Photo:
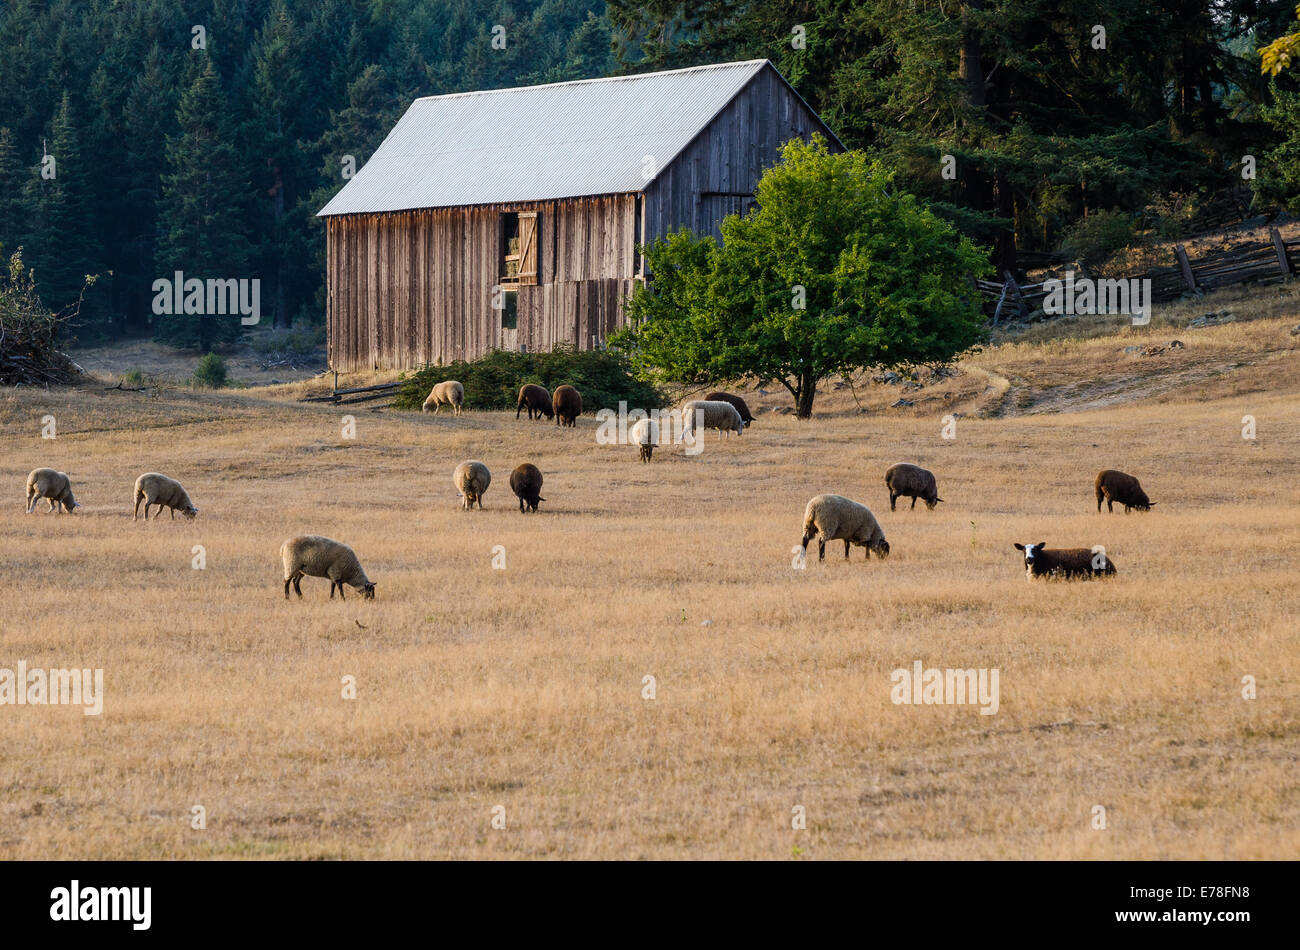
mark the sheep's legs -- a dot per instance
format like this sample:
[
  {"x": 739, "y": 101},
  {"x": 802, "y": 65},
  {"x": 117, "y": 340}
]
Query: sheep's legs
[
  {"x": 892, "y": 500},
  {"x": 913, "y": 503},
  {"x": 846, "y": 551},
  {"x": 297, "y": 584},
  {"x": 821, "y": 549}
]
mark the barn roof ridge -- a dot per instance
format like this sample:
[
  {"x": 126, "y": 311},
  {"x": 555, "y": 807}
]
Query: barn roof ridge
[
  {"x": 552, "y": 141},
  {"x": 593, "y": 79}
]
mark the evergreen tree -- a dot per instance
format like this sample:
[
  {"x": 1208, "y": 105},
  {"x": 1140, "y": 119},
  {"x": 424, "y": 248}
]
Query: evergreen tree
[
  {"x": 13, "y": 217},
  {"x": 64, "y": 250},
  {"x": 202, "y": 219},
  {"x": 148, "y": 115}
]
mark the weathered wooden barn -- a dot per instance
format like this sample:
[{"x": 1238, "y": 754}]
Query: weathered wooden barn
[{"x": 510, "y": 218}]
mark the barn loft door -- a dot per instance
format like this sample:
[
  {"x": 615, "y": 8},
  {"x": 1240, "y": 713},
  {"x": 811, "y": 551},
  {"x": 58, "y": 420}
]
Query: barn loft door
[
  {"x": 520, "y": 239},
  {"x": 528, "y": 241}
]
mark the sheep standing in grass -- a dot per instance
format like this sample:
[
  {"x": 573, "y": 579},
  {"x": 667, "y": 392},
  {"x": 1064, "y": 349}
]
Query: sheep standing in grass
[
  {"x": 526, "y": 483},
  {"x": 1064, "y": 562},
  {"x": 312, "y": 556},
  {"x": 1113, "y": 486},
  {"x": 904, "y": 479},
  {"x": 719, "y": 415},
  {"x": 536, "y": 399},
  {"x": 645, "y": 433},
  {"x": 742, "y": 407},
  {"x": 448, "y": 391},
  {"x": 472, "y": 479},
  {"x": 836, "y": 518},
  {"x": 155, "y": 489},
  {"x": 568, "y": 405},
  {"x": 52, "y": 485}
]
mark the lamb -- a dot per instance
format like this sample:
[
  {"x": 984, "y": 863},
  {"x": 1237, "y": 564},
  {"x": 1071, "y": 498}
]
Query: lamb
[
  {"x": 537, "y": 399},
  {"x": 904, "y": 478},
  {"x": 155, "y": 489},
  {"x": 1113, "y": 486},
  {"x": 568, "y": 405},
  {"x": 745, "y": 415},
  {"x": 1065, "y": 562},
  {"x": 526, "y": 483},
  {"x": 645, "y": 433},
  {"x": 312, "y": 556},
  {"x": 472, "y": 479},
  {"x": 836, "y": 518},
  {"x": 717, "y": 415},
  {"x": 448, "y": 391},
  {"x": 54, "y": 486}
]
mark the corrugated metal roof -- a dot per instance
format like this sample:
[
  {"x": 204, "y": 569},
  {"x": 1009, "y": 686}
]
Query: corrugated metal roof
[{"x": 534, "y": 143}]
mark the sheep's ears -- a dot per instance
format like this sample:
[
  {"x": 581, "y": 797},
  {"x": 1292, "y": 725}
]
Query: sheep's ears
[
  {"x": 937, "y": 499},
  {"x": 1040, "y": 545},
  {"x": 1152, "y": 504},
  {"x": 1018, "y": 546}
]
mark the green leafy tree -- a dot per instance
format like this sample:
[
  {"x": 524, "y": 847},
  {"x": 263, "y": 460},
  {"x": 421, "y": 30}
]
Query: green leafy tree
[
  {"x": 1279, "y": 179},
  {"x": 834, "y": 271}
]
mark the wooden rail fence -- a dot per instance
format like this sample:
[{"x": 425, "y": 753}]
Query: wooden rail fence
[
  {"x": 1271, "y": 261},
  {"x": 345, "y": 397}
]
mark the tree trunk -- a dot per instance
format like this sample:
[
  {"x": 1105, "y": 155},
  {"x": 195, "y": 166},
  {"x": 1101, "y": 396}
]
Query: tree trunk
[
  {"x": 970, "y": 63},
  {"x": 807, "y": 392}
]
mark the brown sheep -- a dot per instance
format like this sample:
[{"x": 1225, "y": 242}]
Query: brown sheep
[
  {"x": 526, "y": 483},
  {"x": 904, "y": 479},
  {"x": 745, "y": 415},
  {"x": 536, "y": 399},
  {"x": 1113, "y": 486},
  {"x": 568, "y": 405},
  {"x": 1064, "y": 562}
]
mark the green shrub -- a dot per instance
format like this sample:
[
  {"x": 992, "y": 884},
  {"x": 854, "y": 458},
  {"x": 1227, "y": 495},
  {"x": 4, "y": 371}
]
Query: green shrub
[
  {"x": 603, "y": 377},
  {"x": 133, "y": 377},
  {"x": 1093, "y": 239},
  {"x": 211, "y": 371}
]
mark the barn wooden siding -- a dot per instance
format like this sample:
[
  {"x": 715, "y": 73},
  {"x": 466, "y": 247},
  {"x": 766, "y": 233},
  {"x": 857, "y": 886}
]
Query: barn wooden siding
[
  {"x": 716, "y": 174},
  {"x": 409, "y": 288}
]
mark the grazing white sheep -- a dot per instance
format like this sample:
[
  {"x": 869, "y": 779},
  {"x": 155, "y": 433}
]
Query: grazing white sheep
[
  {"x": 645, "y": 433},
  {"x": 472, "y": 479},
  {"x": 155, "y": 489},
  {"x": 717, "y": 415},
  {"x": 52, "y": 485},
  {"x": 836, "y": 518},
  {"x": 313, "y": 556},
  {"x": 448, "y": 391}
]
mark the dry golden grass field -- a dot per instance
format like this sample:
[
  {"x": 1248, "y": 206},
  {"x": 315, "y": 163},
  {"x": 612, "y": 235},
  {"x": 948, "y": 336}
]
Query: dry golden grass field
[{"x": 523, "y": 687}]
